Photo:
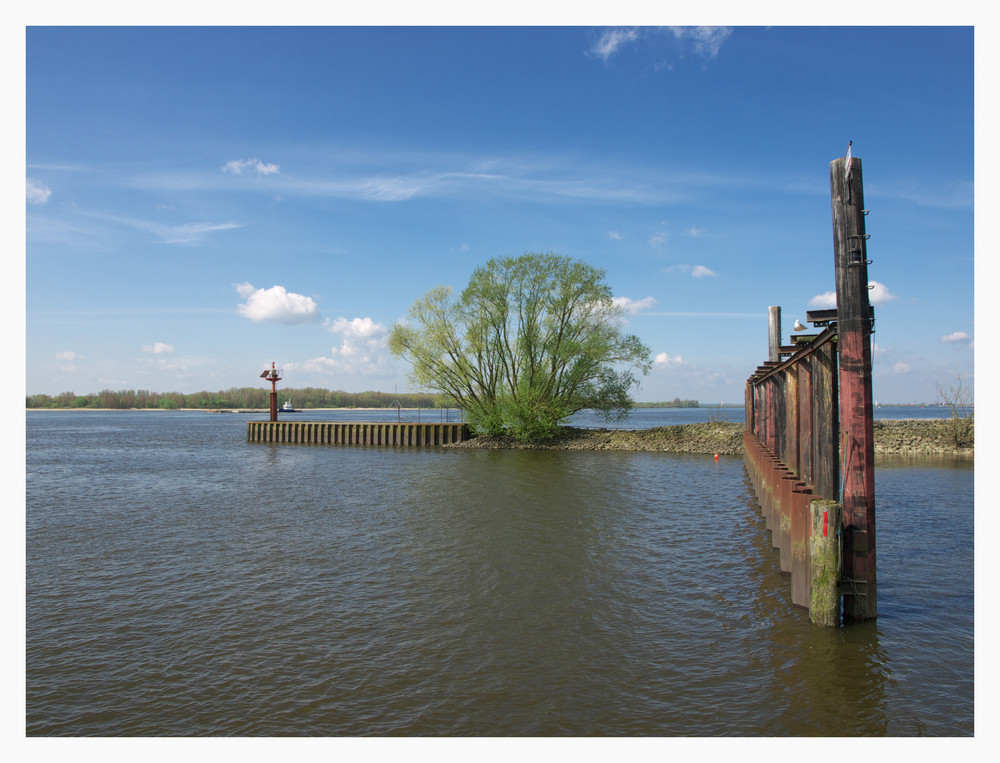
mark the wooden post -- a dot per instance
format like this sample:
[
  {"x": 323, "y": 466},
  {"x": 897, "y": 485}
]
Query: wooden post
[
  {"x": 774, "y": 333},
  {"x": 799, "y": 534},
  {"x": 857, "y": 450},
  {"x": 792, "y": 420},
  {"x": 805, "y": 421},
  {"x": 824, "y": 563},
  {"x": 826, "y": 472}
]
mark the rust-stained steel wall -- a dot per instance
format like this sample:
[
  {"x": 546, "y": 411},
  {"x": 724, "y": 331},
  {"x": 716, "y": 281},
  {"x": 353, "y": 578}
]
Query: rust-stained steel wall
[
  {"x": 809, "y": 420},
  {"x": 789, "y": 432},
  {"x": 357, "y": 433}
]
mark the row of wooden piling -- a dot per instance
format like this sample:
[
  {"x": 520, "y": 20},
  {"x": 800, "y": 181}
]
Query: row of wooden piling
[{"x": 397, "y": 434}]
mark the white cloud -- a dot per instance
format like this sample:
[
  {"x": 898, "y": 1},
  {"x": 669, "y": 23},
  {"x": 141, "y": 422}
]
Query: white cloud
[
  {"x": 359, "y": 358},
  {"x": 958, "y": 336},
  {"x": 664, "y": 359},
  {"x": 68, "y": 356},
  {"x": 356, "y": 328},
  {"x": 826, "y": 299},
  {"x": 901, "y": 368},
  {"x": 878, "y": 293},
  {"x": 659, "y": 238},
  {"x": 611, "y": 41},
  {"x": 706, "y": 40},
  {"x": 634, "y": 306},
  {"x": 696, "y": 271},
  {"x": 615, "y": 235},
  {"x": 158, "y": 348},
  {"x": 695, "y": 232},
  {"x": 239, "y": 166},
  {"x": 37, "y": 192},
  {"x": 276, "y": 304}
]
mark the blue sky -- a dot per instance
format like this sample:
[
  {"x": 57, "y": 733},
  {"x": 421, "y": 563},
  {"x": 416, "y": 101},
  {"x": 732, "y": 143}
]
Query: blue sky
[{"x": 201, "y": 202}]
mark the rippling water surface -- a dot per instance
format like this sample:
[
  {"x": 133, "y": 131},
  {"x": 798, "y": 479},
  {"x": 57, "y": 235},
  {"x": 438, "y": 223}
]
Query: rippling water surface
[{"x": 183, "y": 582}]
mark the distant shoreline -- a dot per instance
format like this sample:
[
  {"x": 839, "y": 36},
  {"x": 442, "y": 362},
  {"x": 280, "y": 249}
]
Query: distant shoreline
[
  {"x": 204, "y": 410},
  {"x": 892, "y": 436}
]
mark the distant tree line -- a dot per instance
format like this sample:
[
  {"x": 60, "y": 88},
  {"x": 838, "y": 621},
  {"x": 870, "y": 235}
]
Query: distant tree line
[
  {"x": 675, "y": 403},
  {"x": 253, "y": 397},
  {"x": 237, "y": 397}
]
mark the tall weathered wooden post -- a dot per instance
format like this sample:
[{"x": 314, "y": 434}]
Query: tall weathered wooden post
[
  {"x": 854, "y": 328},
  {"x": 774, "y": 333}
]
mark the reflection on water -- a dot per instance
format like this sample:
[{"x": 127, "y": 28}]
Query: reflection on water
[{"x": 204, "y": 586}]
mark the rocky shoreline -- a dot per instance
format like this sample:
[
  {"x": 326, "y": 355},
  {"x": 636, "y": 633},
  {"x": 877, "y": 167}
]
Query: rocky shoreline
[{"x": 904, "y": 437}]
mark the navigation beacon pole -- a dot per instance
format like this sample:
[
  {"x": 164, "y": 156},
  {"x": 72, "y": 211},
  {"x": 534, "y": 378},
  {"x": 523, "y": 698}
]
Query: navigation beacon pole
[{"x": 273, "y": 376}]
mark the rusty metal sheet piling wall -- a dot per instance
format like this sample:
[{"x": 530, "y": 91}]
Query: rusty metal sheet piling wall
[
  {"x": 408, "y": 435},
  {"x": 809, "y": 425}
]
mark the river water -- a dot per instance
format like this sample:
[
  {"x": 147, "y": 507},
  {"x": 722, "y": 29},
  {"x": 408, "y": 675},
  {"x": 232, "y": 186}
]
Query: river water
[{"x": 180, "y": 581}]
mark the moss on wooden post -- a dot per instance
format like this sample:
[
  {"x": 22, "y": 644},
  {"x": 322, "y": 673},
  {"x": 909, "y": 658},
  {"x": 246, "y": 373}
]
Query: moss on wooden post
[{"x": 824, "y": 563}]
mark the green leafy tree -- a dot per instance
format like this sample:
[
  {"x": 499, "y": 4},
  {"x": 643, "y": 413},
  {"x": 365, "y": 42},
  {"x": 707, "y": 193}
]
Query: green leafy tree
[{"x": 530, "y": 341}]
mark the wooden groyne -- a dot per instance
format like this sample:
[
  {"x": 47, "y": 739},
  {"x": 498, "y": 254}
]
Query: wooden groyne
[
  {"x": 808, "y": 436},
  {"x": 411, "y": 435}
]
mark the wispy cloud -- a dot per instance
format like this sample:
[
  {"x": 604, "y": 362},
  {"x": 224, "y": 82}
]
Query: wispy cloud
[
  {"x": 276, "y": 304},
  {"x": 254, "y": 166},
  {"x": 184, "y": 233},
  {"x": 727, "y": 316},
  {"x": 158, "y": 348},
  {"x": 189, "y": 233},
  {"x": 37, "y": 192},
  {"x": 706, "y": 40},
  {"x": 659, "y": 238},
  {"x": 695, "y": 271},
  {"x": 635, "y": 306},
  {"x": 379, "y": 179},
  {"x": 68, "y": 356},
  {"x": 957, "y": 336},
  {"x": 954, "y": 194},
  {"x": 611, "y": 41}
]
